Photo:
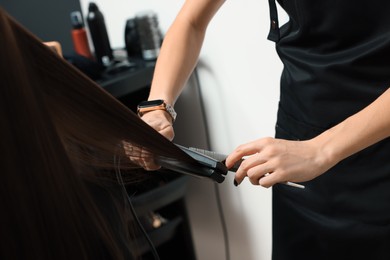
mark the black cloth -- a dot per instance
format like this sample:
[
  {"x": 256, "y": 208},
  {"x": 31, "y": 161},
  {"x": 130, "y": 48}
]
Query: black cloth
[{"x": 336, "y": 62}]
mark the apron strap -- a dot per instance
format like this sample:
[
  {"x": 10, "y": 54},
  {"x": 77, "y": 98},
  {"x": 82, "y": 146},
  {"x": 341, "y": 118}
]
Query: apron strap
[{"x": 274, "y": 34}]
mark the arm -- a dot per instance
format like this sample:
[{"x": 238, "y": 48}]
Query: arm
[
  {"x": 304, "y": 160},
  {"x": 177, "y": 59},
  {"x": 181, "y": 48},
  {"x": 178, "y": 56}
]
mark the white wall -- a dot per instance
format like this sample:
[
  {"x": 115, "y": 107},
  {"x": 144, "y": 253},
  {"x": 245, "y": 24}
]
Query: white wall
[{"x": 239, "y": 73}]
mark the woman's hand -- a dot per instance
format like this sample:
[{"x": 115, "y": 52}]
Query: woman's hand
[
  {"x": 161, "y": 121},
  {"x": 274, "y": 161}
]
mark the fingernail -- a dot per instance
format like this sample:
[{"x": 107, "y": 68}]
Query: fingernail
[{"x": 235, "y": 183}]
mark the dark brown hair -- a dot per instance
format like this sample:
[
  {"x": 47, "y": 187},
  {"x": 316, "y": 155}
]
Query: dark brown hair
[{"x": 60, "y": 131}]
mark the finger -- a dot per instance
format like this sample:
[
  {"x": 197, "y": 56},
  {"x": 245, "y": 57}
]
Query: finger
[
  {"x": 245, "y": 150},
  {"x": 268, "y": 180},
  {"x": 149, "y": 164},
  {"x": 258, "y": 172},
  {"x": 132, "y": 152},
  {"x": 147, "y": 161},
  {"x": 248, "y": 167},
  {"x": 140, "y": 156}
]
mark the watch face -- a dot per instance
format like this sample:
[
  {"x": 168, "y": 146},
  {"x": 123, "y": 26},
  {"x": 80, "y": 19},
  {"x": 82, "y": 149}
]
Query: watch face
[{"x": 151, "y": 103}]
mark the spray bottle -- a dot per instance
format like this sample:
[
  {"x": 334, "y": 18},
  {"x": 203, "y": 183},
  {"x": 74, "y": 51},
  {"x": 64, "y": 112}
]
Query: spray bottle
[
  {"x": 98, "y": 31},
  {"x": 79, "y": 36}
]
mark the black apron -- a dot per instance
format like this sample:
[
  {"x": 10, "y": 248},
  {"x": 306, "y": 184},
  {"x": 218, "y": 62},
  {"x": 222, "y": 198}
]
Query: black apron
[{"x": 336, "y": 56}]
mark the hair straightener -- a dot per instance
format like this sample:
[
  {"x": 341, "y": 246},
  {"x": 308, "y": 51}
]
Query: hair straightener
[
  {"x": 206, "y": 166},
  {"x": 211, "y": 165}
]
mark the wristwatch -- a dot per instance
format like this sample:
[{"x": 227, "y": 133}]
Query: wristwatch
[{"x": 158, "y": 104}]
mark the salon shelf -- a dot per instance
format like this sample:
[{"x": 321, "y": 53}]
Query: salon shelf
[
  {"x": 159, "y": 236},
  {"x": 172, "y": 240},
  {"x": 128, "y": 79},
  {"x": 160, "y": 196}
]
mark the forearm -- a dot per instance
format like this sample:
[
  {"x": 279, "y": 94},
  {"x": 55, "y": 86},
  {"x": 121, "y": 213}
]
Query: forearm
[
  {"x": 357, "y": 132},
  {"x": 177, "y": 59},
  {"x": 181, "y": 47}
]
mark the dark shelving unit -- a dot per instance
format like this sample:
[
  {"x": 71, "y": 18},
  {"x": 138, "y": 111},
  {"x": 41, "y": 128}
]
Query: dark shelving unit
[{"x": 173, "y": 239}]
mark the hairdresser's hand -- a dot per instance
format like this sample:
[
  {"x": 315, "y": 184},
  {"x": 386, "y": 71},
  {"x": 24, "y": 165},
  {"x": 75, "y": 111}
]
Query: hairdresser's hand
[
  {"x": 295, "y": 161},
  {"x": 161, "y": 121}
]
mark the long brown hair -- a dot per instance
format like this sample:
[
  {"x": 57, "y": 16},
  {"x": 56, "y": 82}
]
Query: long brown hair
[{"x": 59, "y": 131}]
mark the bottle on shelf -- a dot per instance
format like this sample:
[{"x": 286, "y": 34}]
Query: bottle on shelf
[
  {"x": 79, "y": 36},
  {"x": 132, "y": 41},
  {"x": 99, "y": 35}
]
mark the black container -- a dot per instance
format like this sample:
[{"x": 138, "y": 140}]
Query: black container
[
  {"x": 132, "y": 41},
  {"x": 149, "y": 34},
  {"x": 99, "y": 35}
]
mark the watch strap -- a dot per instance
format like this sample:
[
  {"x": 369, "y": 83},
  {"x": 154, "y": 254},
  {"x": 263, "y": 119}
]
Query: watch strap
[{"x": 145, "y": 107}]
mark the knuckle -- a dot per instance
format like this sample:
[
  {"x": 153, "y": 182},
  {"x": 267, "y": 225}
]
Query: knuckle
[
  {"x": 282, "y": 174},
  {"x": 267, "y": 140},
  {"x": 277, "y": 161},
  {"x": 252, "y": 176},
  {"x": 244, "y": 166},
  {"x": 254, "y": 181},
  {"x": 238, "y": 150},
  {"x": 272, "y": 150}
]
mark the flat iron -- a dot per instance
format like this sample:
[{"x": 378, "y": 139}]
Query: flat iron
[{"x": 210, "y": 165}]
